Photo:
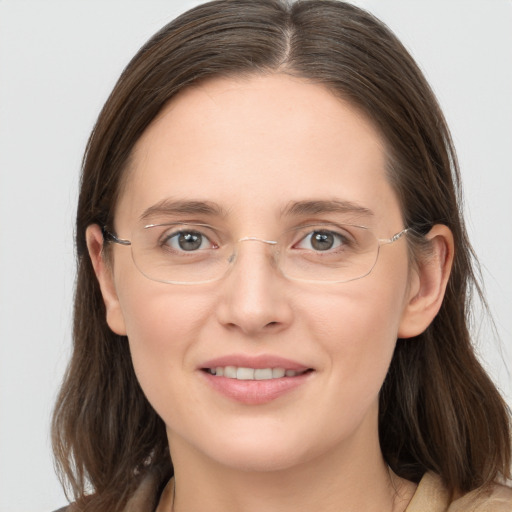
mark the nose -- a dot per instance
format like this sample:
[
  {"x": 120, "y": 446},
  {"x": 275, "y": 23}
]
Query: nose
[{"x": 255, "y": 296}]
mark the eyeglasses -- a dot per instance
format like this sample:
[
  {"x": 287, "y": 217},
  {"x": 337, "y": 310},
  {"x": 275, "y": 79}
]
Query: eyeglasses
[{"x": 178, "y": 253}]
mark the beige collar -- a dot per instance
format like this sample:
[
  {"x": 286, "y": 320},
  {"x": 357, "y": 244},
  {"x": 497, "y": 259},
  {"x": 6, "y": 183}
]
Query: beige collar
[{"x": 430, "y": 496}]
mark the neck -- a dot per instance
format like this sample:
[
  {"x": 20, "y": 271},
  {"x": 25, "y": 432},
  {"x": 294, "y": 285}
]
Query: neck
[{"x": 353, "y": 477}]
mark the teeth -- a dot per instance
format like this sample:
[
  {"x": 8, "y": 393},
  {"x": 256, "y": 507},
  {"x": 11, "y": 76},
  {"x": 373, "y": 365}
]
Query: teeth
[
  {"x": 277, "y": 373},
  {"x": 245, "y": 374},
  {"x": 230, "y": 372},
  {"x": 262, "y": 374},
  {"x": 241, "y": 373}
]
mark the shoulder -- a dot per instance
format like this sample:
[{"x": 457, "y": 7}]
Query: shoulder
[
  {"x": 431, "y": 495},
  {"x": 144, "y": 499},
  {"x": 497, "y": 498}
]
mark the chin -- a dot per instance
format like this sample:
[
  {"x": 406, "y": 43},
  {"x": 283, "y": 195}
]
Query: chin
[
  {"x": 265, "y": 448},
  {"x": 260, "y": 459}
]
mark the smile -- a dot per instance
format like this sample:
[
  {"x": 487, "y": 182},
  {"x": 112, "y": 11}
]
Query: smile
[
  {"x": 242, "y": 373},
  {"x": 255, "y": 380}
]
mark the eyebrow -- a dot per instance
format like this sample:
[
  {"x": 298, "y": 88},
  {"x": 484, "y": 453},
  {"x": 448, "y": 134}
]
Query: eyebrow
[
  {"x": 168, "y": 207},
  {"x": 315, "y": 207}
]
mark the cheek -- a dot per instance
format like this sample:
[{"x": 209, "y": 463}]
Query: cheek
[
  {"x": 358, "y": 329},
  {"x": 161, "y": 325},
  {"x": 359, "y": 337}
]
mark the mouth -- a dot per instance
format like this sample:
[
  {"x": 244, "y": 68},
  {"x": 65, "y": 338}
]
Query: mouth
[
  {"x": 245, "y": 373},
  {"x": 256, "y": 380}
]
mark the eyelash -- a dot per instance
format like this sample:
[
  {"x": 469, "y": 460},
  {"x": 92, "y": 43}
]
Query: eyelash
[
  {"x": 339, "y": 239},
  {"x": 164, "y": 241}
]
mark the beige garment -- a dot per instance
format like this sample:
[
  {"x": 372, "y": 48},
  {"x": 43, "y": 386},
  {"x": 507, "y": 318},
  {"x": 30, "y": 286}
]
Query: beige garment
[{"x": 430, "y": 496}]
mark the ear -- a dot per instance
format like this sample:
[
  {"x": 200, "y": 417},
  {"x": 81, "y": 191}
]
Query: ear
[
  {"x": 428, "y": 283},
  {"x": 103, "y": 271}
]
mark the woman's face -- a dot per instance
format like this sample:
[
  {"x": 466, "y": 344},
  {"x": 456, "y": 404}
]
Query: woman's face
[{"x": 269, "y": 153}]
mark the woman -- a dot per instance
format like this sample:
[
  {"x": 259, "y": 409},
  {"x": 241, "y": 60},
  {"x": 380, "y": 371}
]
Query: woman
[{"x": 274, "y": 280}]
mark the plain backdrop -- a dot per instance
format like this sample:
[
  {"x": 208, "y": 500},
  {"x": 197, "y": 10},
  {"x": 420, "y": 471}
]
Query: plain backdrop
[{"x": 58, "y": 62}]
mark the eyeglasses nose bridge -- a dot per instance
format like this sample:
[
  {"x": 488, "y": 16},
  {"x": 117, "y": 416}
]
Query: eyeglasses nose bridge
[
  {"x": 232, "y": 258},
  {"x": 255, "y": 239}
]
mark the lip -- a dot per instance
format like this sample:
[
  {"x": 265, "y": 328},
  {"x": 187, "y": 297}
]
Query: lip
[
  {"x": 255, "y": 392},
  {"x": 260, "y": 361}
]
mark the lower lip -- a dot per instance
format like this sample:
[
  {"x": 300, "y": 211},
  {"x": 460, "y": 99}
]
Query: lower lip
[{"x": 255, "y": 392}]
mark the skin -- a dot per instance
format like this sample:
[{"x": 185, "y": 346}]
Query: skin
[{"x": 254, "y": 145}]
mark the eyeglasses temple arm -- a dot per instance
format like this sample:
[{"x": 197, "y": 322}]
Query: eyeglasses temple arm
[
  {"x": 394, "y": 238},
  {"x": 110, "y": 237}
]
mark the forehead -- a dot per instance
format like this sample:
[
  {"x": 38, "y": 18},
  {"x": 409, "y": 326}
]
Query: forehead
[{"x": 263, "y": 142}]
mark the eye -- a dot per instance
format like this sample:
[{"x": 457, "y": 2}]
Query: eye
[
  {"x": 188, "y": 241},
  {"x": 321, "y": 240}
]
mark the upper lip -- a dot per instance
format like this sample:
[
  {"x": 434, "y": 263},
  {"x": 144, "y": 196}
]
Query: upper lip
[{"x": 260, "y": 361}]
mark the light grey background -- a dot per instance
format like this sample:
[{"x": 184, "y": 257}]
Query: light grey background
[{"x": 58, "y": 62}]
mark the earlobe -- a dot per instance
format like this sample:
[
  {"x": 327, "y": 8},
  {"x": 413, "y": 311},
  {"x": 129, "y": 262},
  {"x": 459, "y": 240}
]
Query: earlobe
[
  {"x": 429, "y": 283},
  {"x": 103, "y": 271}
]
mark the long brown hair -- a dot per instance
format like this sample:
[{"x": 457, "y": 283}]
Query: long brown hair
[{"x": 439, "y": 410}]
